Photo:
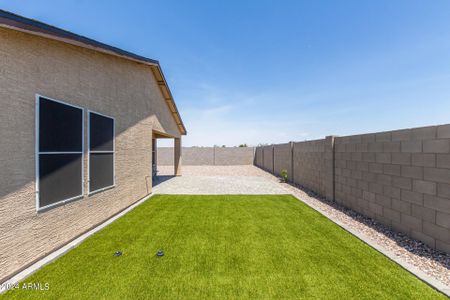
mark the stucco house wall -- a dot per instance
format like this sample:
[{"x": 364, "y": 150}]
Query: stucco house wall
[{"x": 107, "y": 84}]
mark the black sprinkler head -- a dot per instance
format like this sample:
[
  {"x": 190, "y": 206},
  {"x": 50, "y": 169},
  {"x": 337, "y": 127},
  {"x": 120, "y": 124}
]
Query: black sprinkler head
[
  {"x": 160, "y": 253},
  {"x": 117, "y": 253}
]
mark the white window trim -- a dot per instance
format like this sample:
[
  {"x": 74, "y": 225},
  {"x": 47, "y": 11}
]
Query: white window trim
[
  {"x": 37, "y": 153},
  {"x": 89, "y": 153}
]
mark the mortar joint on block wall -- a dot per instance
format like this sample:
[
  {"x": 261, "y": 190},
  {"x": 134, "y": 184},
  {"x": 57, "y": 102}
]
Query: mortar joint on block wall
[
  {"x": 292, "y": 161},
  {"x": 330, "y": 147},
  {"x": 273, "y": 159},
  {"x": 348, "y": 169}
]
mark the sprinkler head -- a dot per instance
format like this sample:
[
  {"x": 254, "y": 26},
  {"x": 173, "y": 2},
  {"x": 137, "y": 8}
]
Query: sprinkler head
[
  {"x": 118, "y": 253},
  {"x": 160, "y": 253}
]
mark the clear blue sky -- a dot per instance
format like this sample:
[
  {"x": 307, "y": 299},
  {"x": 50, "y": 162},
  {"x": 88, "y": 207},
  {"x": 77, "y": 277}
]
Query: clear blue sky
[{"x": 274, "y": 71}]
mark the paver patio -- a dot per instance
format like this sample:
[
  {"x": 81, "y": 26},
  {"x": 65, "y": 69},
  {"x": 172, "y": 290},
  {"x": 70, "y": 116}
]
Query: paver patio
[{"x": 211, "y": 180}]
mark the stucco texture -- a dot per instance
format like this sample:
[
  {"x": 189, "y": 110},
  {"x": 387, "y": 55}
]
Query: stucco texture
[{"x": 103, "y": 83}]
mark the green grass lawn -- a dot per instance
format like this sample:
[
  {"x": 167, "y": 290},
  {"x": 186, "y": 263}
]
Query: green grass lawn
[{"x": 225, "y": 247}]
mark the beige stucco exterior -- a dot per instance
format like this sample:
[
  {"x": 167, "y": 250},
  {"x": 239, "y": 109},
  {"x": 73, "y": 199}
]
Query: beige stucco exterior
[{"x": 114, "y": 86}]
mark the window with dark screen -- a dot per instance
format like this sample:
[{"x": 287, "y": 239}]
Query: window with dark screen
[
  {"x": 59, "y": 150},
  {"x": 101, "y": 152}
]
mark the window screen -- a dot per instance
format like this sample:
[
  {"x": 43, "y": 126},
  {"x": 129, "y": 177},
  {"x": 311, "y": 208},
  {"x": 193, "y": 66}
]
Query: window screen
[
  {"x": 60, "y": 177},
  {"x": 101, "y": 133},
  {"x": 60, "y": 127},
  {"x": 60, "y": 152},
  {"x": 101, "y": 152}
]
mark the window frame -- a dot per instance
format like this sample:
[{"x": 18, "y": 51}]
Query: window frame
[
  {"x": 37, "y": 154},
  {"x": 89, "y": 193}
]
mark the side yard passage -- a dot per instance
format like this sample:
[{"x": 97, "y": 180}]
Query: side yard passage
[{"x": 225, "y": 246}]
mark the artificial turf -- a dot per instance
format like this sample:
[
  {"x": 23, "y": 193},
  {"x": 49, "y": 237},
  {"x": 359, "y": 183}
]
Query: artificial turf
[{"x": 222, "y": 247}]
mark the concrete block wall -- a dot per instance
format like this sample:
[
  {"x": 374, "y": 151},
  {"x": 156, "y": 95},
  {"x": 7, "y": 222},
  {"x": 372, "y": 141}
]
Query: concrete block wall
[
  {"x": 259, "y": 157},
  {"x": 400, "y": 178},
  {"x": 226, "y": 156},
  {"x": 282, "y": 159},
  {"x": 309, "y": 165},
  {"x": 196, "y": 156},
  {"x": 329, "y": 168},
  {"x": 268, "y": 158},
  {"x": 258, "y": 161},
  {"x": 165, "y": 156}
]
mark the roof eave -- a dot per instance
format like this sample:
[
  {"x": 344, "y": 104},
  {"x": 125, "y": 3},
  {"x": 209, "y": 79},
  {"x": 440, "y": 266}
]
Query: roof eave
[{"x": 19, "y": 23}]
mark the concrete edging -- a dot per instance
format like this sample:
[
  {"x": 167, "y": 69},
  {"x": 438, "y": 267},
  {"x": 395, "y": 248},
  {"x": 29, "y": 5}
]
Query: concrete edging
[
  {"x": 435, "y": 284},
  {"x": 67, "y": 247}
]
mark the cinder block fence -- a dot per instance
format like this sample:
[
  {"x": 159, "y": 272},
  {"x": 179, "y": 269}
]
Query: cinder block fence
[
  {"x": 208, "y": 156},
  {"x": 399, "y": 178}
]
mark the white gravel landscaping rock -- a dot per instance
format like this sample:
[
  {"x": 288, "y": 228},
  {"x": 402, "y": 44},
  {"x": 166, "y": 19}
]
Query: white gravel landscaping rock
[{"x": 252, "y": 180}]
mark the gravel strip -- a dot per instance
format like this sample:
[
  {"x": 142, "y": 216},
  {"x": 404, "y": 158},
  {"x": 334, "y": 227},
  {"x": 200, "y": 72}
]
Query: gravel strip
[{"x": 432, "y": 262}]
